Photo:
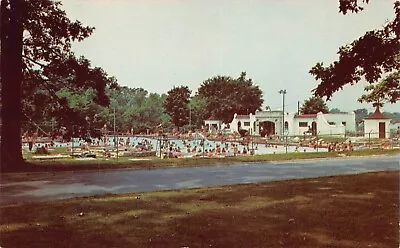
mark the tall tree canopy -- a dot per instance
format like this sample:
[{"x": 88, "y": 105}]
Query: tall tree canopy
[
  {"x": 36, "y": 38},
  {"x": 372, "y": 56},
  {"x": 197, "y": 114},
  {"x": 176, "y": 105},
  {"x": 136, "y": 109},
  {"x": 226, "y": 96},
  {"x": 314, "y": 105}
]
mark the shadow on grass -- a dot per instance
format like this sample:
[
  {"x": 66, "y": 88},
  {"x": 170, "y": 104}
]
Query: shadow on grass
[{"x": 345, "y": 211}]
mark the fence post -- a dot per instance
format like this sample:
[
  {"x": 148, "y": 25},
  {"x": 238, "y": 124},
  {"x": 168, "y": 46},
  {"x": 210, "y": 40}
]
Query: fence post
[{"x": 369, "y": 140}]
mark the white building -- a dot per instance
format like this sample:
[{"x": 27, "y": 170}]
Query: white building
[
  {"x": 246, "y": 122},
  {"x": 213, "y": 124},
  {"x": 377, "y": 125},
  {"x": 265, "y": 123}
]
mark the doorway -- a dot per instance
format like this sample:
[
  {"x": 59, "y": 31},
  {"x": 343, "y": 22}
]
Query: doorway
[
  {"x": 314, "y": 128},
  {"x": 266, "y": 128},
  {"x": 382, "y": 131}
]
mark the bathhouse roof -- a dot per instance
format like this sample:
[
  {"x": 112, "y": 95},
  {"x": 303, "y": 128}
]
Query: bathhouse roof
[
  {"x": 306, "y": 116},
  {"x": 243, "y": 117}
]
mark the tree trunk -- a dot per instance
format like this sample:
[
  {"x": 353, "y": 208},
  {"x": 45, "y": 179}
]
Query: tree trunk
[{"x": 11, "y": 80}]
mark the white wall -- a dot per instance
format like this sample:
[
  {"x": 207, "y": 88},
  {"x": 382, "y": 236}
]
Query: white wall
[
  {"x": 211, "y": 123},
  {"x": 349, "y": 118},
  {"x": 322, "y": 120},
  {"x": 323, "y": 126},
  {"x": 235, "y": 121},
  {"x": 371, "y": 127}
]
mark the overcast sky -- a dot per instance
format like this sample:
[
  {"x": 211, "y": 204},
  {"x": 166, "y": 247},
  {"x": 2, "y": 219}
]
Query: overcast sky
[{"x": 158, "y": 44}]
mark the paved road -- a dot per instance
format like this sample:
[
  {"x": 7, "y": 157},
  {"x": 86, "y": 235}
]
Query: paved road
[{"x": 72, "y": 184}]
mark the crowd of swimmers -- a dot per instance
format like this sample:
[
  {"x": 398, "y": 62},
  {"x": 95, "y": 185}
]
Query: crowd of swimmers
[
  {"x": 203, "y": 148},
  {"x": 339, "y": 147}
]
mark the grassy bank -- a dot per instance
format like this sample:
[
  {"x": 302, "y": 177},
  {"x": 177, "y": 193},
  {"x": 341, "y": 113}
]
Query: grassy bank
[
  {"x": 346, "y": 211},
  {"x": 153, "y": 162}
]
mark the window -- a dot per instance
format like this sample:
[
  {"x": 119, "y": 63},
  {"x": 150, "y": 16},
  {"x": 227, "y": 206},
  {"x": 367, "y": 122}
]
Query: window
[
  {"x": 286, "y": 125},
  {"x": 246, "y": 124},
  {"x": 303, "y": 124},
  {"x": 343, "y": 123}
]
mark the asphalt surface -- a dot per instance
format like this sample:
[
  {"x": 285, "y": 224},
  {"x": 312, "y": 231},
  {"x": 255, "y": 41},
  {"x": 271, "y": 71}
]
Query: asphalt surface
[{"x": 61, "y": 185}]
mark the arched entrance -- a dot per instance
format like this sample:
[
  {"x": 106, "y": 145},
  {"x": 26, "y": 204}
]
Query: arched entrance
[
  {"x": 266, "y": 128},
  {"x": 286, "y": 128}
]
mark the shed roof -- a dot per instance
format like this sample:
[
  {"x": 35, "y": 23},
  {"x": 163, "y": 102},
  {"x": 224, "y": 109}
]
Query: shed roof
[{"x": 377, "y": 115}]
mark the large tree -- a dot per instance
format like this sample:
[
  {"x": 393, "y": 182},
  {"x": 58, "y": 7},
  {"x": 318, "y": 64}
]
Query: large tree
[
  {"x": 226, "y": 96},
  {"x": 314, "y": 105},
  {"x": 386, "y": 91},
  {"x": 373, "y": 56},
  {"x": 36, "y": 38},
  {"x": 176, "y": 105}
]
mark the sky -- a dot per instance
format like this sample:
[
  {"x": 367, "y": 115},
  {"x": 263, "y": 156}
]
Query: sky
[{"x": 159, "y": 44}]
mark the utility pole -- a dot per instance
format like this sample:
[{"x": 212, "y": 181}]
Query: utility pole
[
  {"x": 160, "y": 146},
  {"x": 369, "y": 139},
  {"x": 190, "y": 117},
  {"x": 72, "y": 142},
  {"x": 283, "y": 92},
  {"x": 115, "y": 137},
  {"x": 298, "y": 107},
  {"x": 286, "y": 143},
  {"x": 203, "y": 146}
]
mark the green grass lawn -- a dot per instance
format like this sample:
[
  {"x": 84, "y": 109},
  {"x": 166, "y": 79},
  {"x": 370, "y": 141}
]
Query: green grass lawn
[
  {"x": 154, "y": 162},
  {"x": 343, "y": 211},
  {"x": 332, "y": 139}
]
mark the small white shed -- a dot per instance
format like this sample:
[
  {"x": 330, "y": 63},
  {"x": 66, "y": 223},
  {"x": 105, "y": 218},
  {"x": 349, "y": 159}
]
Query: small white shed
[
  {"x": 377, "y": 125},
  {"x": 213, "y": 124}
]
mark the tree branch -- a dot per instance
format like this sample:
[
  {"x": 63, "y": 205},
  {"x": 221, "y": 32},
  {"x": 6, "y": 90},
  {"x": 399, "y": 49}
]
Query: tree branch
[{"x": 33, "y": 61}]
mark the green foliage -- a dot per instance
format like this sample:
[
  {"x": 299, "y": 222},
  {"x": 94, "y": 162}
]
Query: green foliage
[
  {"x": 395, "y": 116},
  {"x": 226, "y": 96},
  {"x": 360, "y": 114},
  {"x": 176, "y": 105},
  {"x": 388, "y": 90},
  {"x": 336, "y": 111},
  {"x": 197, "y": 106},
  {"x": 314, "y": 105},
  {"x": 350, "y": 5},
  {"x": 136, "y": 110},
  {"x": 370, "y": 57},
  {"x": 55, "y": 82}
]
